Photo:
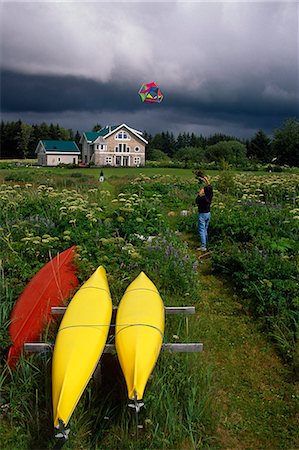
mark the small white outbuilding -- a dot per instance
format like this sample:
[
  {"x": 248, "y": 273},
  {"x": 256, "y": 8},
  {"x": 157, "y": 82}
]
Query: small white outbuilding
[{"x": 53, "y": 153}]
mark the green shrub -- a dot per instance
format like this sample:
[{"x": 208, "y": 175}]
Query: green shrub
[{"x": 19, "y": 176}]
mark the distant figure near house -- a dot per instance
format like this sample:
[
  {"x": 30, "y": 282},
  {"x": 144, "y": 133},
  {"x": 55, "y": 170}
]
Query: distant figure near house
[{"x": 101, "y": 177}]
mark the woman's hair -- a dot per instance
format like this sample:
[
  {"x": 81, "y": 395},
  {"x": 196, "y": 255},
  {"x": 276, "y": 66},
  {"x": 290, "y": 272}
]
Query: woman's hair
[{"x": 199, "y": 173}]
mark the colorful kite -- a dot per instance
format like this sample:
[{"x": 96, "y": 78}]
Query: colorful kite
[{"x": 150, "y": 93}]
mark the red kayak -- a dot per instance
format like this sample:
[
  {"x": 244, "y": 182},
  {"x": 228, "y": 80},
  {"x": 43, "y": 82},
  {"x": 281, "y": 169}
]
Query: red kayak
[{"x": 51, "y": 286}]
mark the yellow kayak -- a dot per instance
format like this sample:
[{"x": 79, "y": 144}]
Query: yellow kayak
[
  {"x": 79, "y": 344},
  {"x": 139, "y": 333}
]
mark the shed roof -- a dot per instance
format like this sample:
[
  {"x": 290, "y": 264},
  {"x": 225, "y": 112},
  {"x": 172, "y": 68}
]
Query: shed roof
[{"x": 60, "y": 146}]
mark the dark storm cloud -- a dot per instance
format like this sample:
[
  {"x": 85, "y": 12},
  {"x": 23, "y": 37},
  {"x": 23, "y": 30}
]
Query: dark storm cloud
[
  {"x": 228, "y": 66},
  {"x": 49, "y": 94}
]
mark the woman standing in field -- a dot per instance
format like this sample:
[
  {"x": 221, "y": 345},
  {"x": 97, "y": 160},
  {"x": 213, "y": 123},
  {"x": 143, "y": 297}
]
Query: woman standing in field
[{"x": 203, "y": 201}]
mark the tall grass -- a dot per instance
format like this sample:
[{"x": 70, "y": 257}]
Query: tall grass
[{"x": 38, "y": 220}]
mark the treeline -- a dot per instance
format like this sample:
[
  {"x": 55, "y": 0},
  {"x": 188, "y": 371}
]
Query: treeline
[
  {"x": 19, "y": 140},
  {"x": 282, "y": 148},
  {"x": 168, "y": 144}
]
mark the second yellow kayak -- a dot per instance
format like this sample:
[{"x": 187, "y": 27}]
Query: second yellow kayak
[
  {"x": 79, "y": 344},
  {"x": 139, "y": 333}
]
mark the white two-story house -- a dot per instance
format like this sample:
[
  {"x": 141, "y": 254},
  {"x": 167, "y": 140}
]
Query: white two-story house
[{"x": 114, "y": 146}]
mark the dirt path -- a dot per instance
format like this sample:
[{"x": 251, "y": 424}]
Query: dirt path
[{"x": 255, "y": 398}]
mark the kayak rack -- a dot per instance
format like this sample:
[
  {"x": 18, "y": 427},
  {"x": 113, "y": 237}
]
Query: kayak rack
[
  {"x": 41, "y": 347},
  {"x": 60, "y": 310}
]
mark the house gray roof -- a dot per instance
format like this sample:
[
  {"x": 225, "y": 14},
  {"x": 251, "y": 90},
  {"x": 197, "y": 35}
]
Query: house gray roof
[{"x": 60, "y": 146}]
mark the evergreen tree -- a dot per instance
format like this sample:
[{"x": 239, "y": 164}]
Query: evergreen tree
[
  {"x": 157, "y": 142},
  {"x": 193, "y": 140},
  {"x": 286, "y": 143},
  {"x": 9, "y": 133},
  {"x": 44, "y": 131},
  {"x": 71, "y": 134},
  {"x": 201, "y": 141},
  {"x": 35, "y": 137},
  {"x": 179, "y": 141},
  {"x": 52, "y": 132},
  {"x": 260, "y": 147},
  {"x": 23, "y": 140},
  {"x": 149, "y": 138},
  {"x": 77, "y": 137},
  {"x": 97, "y": 127},
  {"x": 219, "y": 137},
  {"x": 171, "y": 144}
]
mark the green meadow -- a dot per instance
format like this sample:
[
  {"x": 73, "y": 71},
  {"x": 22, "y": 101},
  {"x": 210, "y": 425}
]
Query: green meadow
[{"x": 242, "y": 390}]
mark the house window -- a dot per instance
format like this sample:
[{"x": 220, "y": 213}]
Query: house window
[
  {"x": 58, "y": 159},
  {"x": 128, "y": 149},
  {"x": 122, "y": 135},
  {"x": 136, "y": 160},
  {"x": 137, "y": 149},
  {"x": 100, "y": 147},
  {"x": 121, "y": 148},
  {"x": 108, "y": 160}
]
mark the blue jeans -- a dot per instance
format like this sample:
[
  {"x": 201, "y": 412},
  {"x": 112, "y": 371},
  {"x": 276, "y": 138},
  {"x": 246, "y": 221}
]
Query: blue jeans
[{"x": 203, "y": 224}]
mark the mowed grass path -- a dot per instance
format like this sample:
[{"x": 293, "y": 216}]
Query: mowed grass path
[{"x": 255, "y": 400}]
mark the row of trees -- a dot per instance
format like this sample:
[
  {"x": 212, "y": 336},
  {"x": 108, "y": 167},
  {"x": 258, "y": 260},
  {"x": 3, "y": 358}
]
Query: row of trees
[
  {"x": 282, "y": 148},
  {"x": 168, "y": 144},
  {"x": 19, "y": 140}
]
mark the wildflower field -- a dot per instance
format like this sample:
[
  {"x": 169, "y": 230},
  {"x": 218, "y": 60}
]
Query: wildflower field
[{"x": 132, "y": 223}]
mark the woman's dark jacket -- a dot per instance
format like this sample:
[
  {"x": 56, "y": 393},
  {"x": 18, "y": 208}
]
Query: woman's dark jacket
[{"x": 204, "y": 201}]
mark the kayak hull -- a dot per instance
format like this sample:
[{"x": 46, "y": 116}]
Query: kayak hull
[
  {"x": 139, "y": 333},
  {"x": 51, "y": 286},
  {"x": 79, "y": 344}
]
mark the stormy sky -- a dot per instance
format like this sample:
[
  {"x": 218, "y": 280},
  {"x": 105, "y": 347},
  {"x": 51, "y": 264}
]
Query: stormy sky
[{"x": 229, "y": 67}]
